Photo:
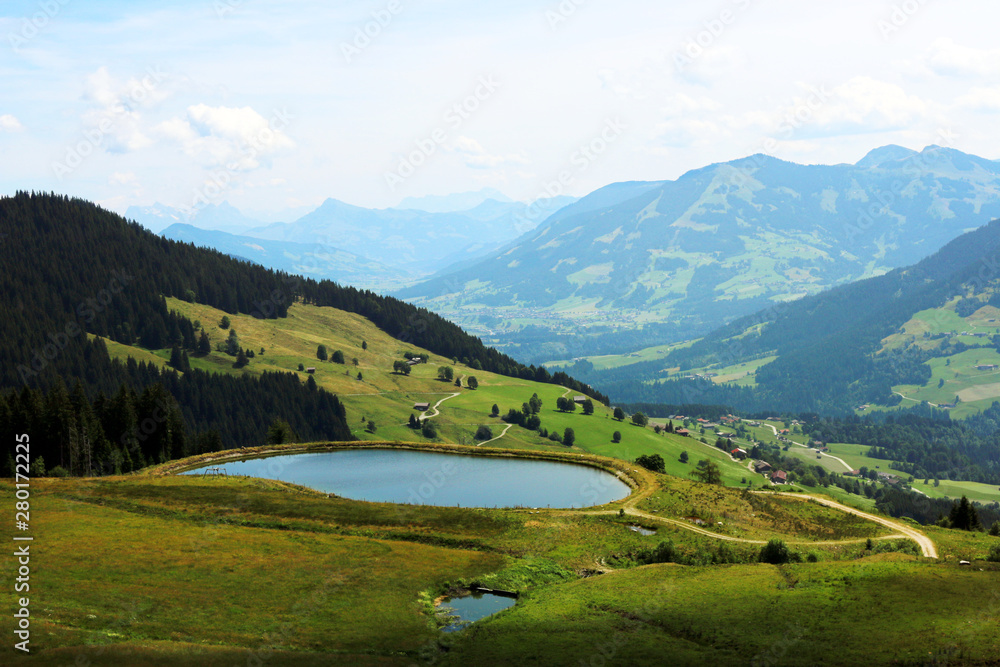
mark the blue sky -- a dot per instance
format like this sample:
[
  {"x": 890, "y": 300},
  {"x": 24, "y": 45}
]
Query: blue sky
[{"x": 275, "y": 106}]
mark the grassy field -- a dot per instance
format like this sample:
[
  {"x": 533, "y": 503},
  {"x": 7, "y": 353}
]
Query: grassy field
[
  {"x": 157, "y": 569},
  {"x": 160, "y": 569}
]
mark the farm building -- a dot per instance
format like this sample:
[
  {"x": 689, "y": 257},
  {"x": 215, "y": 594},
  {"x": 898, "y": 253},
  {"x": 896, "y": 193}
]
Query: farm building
[
  {"x": 779, "y": 477},
  {"x": 986, "y": 367},
  {"x": 683, "y": 432},
  {"x": 423, "y": 407},
  {"x": 311, "y": 369},
  {"x": 739, "y": 453},
  {"x": 761, "y": 467},
  {"x": 579, "y": 399}
]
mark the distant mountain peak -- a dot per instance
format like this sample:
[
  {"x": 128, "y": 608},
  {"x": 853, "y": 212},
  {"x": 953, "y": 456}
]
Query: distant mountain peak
[{"x": 879, "y": 156}]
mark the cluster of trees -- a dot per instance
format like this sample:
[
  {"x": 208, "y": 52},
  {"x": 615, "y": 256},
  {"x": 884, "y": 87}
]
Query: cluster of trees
[
  {"x": 337, "y": 357},
  {"x": 426, "y": 427},
  {"x": 566, "y": 404},
  {"x": 147, "y": 418},
  {"x": 527, "y": 417}
]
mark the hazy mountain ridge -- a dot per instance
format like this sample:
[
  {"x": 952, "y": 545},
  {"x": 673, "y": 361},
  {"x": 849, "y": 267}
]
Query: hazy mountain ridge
[
  {"x": 418, "y": 241},
  {"x": 727, "y": 239},
  {"x": 312, "y": 260}
]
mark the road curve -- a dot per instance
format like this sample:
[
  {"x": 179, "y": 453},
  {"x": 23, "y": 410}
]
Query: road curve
[
  {"x": 926, "y": 544},
  {"x": 434, "y": 409}
]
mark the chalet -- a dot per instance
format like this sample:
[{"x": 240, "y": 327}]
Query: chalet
[
  {"x": 311, "y": 369},
  {"x": 784, "y": 431},
  {"x": 702, "y": 421},
  {"x": 683, "y": 432},
  {"x": 723, "y": 434},
  {"x": 423, "y": 407},
  {"x": 779, "y": 477},
  {"x": 888, "y": 478},
  {"x": 986, "y": 367},
  {"x": 739, "y": 454},
  {"x": 579, "y": 399},
  {"x": 853, "y": 473},
  {"x": 761, "y": 467},
  {"x": 413, "y": 362}
]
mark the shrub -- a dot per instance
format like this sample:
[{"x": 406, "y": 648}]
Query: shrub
[
  {"x": 994, "y": 556},
  {"x": 775, "y": 552},
  {"x": 484, "y": 433},
  {"x": 652, "y": 462}
]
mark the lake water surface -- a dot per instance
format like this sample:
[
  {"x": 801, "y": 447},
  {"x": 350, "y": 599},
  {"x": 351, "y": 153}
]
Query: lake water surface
[{"x": 432, "y": 478}]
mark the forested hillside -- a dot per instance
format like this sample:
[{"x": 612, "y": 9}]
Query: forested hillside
[
  {"x": 828, "y": 347},
  {"x": 72, "y": 269}
]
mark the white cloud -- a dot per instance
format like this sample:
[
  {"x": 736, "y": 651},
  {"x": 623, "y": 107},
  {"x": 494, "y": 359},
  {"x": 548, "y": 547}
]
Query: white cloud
[
  {"x": 9, "y": 123},
  {"x": 947, "y": 58},
  {"x": 235, "y": 137},
  {"x": 476, "y": 157},
  {"x": 118, "y": 105},
  {"x": 862, "y": 104},
  {"x": 980, "y": 99}
]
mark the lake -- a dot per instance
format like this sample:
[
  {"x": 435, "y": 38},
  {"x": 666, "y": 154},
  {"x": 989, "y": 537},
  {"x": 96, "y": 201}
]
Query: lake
[{"x": 433, "y": 478}]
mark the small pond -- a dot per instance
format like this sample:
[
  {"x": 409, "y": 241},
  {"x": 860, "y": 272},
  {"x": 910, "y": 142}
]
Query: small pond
[
  {"x": 471, "y": 608},
  {"x": 641, "y": 530},
  {"x": 433, "y": 478}
]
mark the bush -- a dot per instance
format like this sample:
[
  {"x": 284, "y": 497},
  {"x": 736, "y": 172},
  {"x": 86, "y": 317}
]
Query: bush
[
  {"x": 616, "y": 437},
  {"x": 652, "y": 462},
  {"x": 484, "y": 433},
  {"x": 775, "y": 552},
  {"x": 428, "y": 429},
  {"x": 663, "y": 553},
  {"x": 994, "y": 556},
  {"x": 59, "y": 471}
]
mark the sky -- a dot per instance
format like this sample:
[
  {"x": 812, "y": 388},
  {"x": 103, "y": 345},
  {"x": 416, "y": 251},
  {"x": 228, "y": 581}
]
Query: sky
[{"x": 274, "y": 106}]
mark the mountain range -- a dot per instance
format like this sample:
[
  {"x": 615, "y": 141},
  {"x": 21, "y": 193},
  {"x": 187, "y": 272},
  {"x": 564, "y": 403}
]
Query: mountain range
[
  {"x": 654, "y": 262},
  {"x": 377, "y": 248}
]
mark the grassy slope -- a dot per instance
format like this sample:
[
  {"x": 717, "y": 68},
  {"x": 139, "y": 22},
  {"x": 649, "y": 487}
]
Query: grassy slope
[
  {"x": 387, "y": 398},
  {"x": 800, "y": 614},
  {"x": 976, "y": 389}
]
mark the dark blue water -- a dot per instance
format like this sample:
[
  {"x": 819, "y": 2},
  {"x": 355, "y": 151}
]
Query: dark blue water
[
  {"x": 431, "y": 478},
  {"x": 473, "y": 607}
]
